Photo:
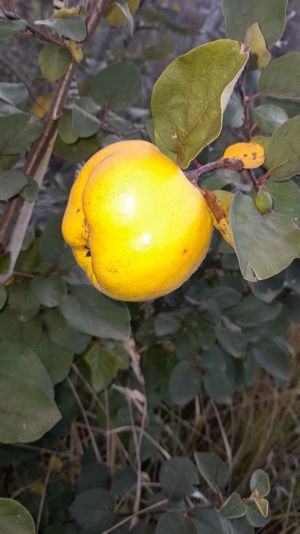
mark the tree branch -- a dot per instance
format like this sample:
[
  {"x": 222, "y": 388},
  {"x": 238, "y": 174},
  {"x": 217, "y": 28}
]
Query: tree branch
[
  {"x": 226, "y": 163},
  {"x": 17, "y": 210}
]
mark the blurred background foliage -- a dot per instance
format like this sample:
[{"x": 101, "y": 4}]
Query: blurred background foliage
[{"x": 219, "y": 357}]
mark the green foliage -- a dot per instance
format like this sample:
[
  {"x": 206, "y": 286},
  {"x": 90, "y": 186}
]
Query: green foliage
[
  {"x": 185, "y": 124},
  {"x": 114, "y": 398},
  {"x": 54, "y": 62},
  {"x": 270, "y": 15},
  {"x": 105, "y": 86},
  {"x": 15, "y": 518}
]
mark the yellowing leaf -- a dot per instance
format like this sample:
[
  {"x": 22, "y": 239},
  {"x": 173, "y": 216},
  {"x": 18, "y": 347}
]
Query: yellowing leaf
[
  {"x": 262, "y": 505},
  {"x": 75, "y": 50},
  {"x": 219, "y": 203},
  {"x": 69, "y": 12},
  {"x": 41, "y": 106},
  {"x": 255, "y": 40},
  {"x": 115, "y": 15},
  {"x": 251, "y": 154}
]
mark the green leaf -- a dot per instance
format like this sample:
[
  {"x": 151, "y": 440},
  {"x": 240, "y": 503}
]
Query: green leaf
[
  {"x": 260, "y": 483},
  {"x": 3, "y": 296},
  {"x": 4, "y": 262},
  {"x": 273, "y": 356},
  {"x": 213, "y": 470},
  {"x": 283, "y": 152},
  {"x": 232, "y": 341},
  {"x": 57, "y": 360},
  {"x": 121, "y": 12},
  {"x": 53, "y": 250},
  {"x": 175, "y": 523},
  {"x": 255, "y": 518},
  {"x": 54, "y": 62},
  {"x": 49, "y": 291},
  {"x": 207, "y": 520},
  {"x": 11, "y": 27},
  {"x": 259, "y": 238},
  {"x": 73, "y": 27},
  {"x": 251, "y": 312},
  {"x": 236, "y": 526},
  {"x": 13, "y": 93},
  {"x": 260, "y": 56},
  {"x": 286, "y": 198},
  {"x": 90, "y": 312},
  {"x": 30, "y": 191},
  {"x": 23, "y": 301},
  {"x": 269, "y": 14},
  {"x": 84, "y": 121},
  {"x": 191, "y": 95},
  {"x": 11, "y": 183},
  {"x": 178, "y": 478},
  {"x": 17, "y": 133},
  {"x": 234, "y": 507},
  {"x": 218, "y": 386},
  {"x": 103, "y": 366},
  {"x": 117, "y": 86},
  {"x": 166, "y": 323},
  {"x": 14, "y": 518},
  {"x": 77, "y": 151},
  {"x": 184, "y": 383},
  {"x": 65, "y": 128},
  {"x": 93, "y": 510},
  {"x": 269, "y": 117},
  {"x": 61, "y": 334},
  {"x": 27, "y": 410},
  {"x": 21, "y": 361},
  {"x": 281, "y": 78}
]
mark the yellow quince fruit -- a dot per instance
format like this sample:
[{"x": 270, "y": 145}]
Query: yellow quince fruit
[{"x": 135, "y": 223}]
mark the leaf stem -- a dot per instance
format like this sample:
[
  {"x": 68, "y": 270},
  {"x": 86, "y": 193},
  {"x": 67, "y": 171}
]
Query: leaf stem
[{"x": 232, "y": 164}]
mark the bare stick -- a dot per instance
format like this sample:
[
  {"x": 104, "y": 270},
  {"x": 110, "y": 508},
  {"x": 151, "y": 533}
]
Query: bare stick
[
  {"x": 226, "y": 163},
  {"x": 85, "y": 418}
]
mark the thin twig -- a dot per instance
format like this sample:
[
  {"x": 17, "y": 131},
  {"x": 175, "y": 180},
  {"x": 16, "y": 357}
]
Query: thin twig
[
  {"x": 43, "y": 497},
  {"x": 85, "y": 418},
  {"x": 233, "y": 164}
]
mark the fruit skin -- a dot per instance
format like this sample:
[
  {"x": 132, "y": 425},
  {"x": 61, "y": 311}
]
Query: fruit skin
[
  {"x": 263, "y": 201},
  {"x": 136, "y": 225}
]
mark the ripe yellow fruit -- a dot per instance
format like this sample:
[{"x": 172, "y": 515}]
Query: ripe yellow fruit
[{"x": 136, "y": 225}]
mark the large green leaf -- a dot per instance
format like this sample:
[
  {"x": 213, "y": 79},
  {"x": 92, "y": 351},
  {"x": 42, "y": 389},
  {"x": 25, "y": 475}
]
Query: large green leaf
[
  {"x": 27, "y": 410},
  {"x": 265, "y": 244},
  {"x": 269, "y": 117},
  {"x": 117, "y": 86},
  {"x": 178, "y": 477},
  {"x": 11, "y": 27},
  {"x": 14, "y": 518},
  {"x": 283, "y": 152},
  {"x": 13, "y": 93},
  {"x": 90, "y": 312},
  {"x": 11, "y": 183},
  {"x": 17, "y": 133},
  {"x": 49, "y": 290},
  {"x": 20, "y": 361},
  {"x": 190, "y": 96},
  {"x": 54, "y": 62},
  {"x": 281, "y": 78},
  {"x": 72, "y": 27},
  {"x": 63, "y": 335},
  {"x": 269, "y": 14}
]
